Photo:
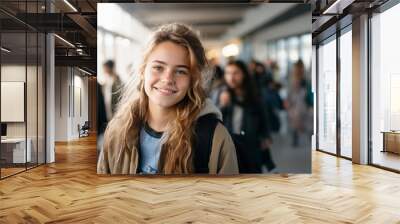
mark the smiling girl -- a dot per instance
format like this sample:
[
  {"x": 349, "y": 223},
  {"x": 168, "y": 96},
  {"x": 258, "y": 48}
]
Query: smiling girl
[{"x": 154, "y": 130}]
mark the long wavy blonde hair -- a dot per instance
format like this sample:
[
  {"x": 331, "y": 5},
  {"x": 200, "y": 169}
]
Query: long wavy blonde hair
[{"x": 177, "y": 148}]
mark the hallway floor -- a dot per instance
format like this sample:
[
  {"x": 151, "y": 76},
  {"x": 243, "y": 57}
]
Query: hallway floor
[
  {"x": 289, "y": 159},
  {"x": 70, "y": 191},
  {"x": 387, "y": 159}
]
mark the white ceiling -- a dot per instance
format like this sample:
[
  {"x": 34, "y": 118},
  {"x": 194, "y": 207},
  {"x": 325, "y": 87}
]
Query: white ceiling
[{"x": 211, "y": 20}]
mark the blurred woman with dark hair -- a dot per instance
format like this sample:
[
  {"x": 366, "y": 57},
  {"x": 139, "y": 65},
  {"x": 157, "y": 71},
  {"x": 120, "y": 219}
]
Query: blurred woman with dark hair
[
  {"x": 298, "y": 102},
  {"x": 244, "y": 117}
]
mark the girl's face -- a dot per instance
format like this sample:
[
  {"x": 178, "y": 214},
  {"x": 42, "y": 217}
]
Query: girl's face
[
  {"x": 233, "y": 76},
  {"x": 167, "y": 74}
]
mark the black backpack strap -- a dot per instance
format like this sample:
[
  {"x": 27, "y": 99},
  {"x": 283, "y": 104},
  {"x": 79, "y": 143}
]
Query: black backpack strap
[{"x": 205, "y": 127}]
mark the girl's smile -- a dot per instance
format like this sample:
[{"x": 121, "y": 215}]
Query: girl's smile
[{"x": 165, "y": 91}]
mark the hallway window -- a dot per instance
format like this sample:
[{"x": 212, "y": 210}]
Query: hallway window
[
  {"x": 346, "y": 93},
  {"x": 327, "y": 95},
  {"x": 306, "y": 51},
  {"x": 282, "y": 59},
  {"x": 385, "y": 87}
]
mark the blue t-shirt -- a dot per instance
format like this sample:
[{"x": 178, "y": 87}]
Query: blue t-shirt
[{"x": 150, "y": 148}]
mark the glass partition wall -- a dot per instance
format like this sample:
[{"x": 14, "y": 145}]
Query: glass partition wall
[
  {"x": 22, "y": 107},
  {"x": 385, "y": 89},
  {"x": 334, "y": 98},
  {"x": 13, "y": 109}
]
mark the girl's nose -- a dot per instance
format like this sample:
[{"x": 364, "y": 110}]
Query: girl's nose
[{"x": 168, "y": 76}]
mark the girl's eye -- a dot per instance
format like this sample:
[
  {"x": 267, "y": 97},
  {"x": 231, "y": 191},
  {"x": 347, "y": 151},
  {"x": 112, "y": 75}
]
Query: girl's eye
[
  {"x": 181, "y": 72},
  {"x": 158, "y": 68}
]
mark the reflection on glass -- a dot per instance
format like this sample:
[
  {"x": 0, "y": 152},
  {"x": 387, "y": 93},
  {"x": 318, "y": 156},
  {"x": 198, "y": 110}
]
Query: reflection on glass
[
  {"x": 327, "y": 97},
  {"x": 31, "y": 98},
  {"x": 13, "y": 87},
  {"x": 41, "y": 99},
  {"x": 345, "y": 94}
]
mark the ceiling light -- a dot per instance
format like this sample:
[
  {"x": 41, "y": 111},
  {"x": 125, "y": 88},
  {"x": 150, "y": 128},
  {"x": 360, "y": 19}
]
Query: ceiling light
[
  {"x": 70, "y": 5},
  {"x": 5, "y": 50},
  {"x": 64, "y": 40},
  {"x": 79, "y": 51},
  {"x": 230, "y": 50}
]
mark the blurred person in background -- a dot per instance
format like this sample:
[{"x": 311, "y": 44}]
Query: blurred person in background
[
  {"x": 108, "y": 94},
  {"x": 259, "y": 74},
  {"x": 217, "y": 81},
  {"x": 101, "y": 118},
  {"x": 101, "y": 112},
  {"x": 244, "y": 118},
  {"x": 268, "y": 90},
  {"x": 262, "y": 75},
  {"x": 274, "y": 69},
  {"x": 298, "y": 102},
  {"x": 111, "y": 88},
  {"x": 271, "y": 102},
  {"x": 252, "y": 66},
  {"x": 274, "y": 103}
]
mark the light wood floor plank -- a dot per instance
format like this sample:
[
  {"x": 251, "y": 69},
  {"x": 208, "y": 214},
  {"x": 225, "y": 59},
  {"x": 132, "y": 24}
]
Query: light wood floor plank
[{"x": 69, "y": 191}]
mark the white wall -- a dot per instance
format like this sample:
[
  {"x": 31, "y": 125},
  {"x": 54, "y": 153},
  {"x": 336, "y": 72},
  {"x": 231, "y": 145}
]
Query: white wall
[
  {"x": 61, "y": 103},
  {"x": 68, "y": 83}
]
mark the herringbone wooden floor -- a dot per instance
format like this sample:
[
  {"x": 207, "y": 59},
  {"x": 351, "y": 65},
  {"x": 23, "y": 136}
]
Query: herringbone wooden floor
[{"x": 69, "y": 191}]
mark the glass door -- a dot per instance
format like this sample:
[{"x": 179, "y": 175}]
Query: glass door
[{"x": 327, "y": 95}]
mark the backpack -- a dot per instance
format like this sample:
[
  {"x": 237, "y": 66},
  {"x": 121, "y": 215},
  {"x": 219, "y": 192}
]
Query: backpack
[{"x": 204, "y": 129}]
